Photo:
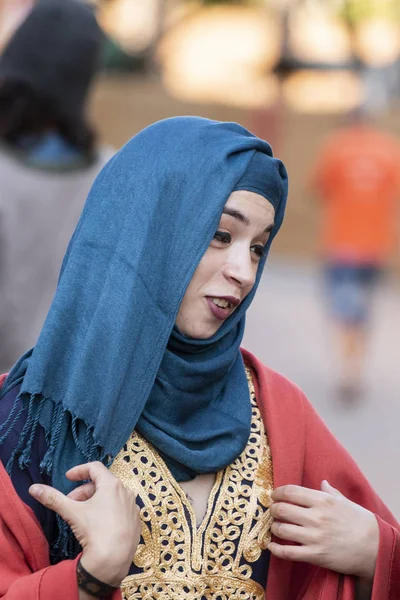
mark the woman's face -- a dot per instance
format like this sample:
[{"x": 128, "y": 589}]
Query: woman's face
[{"x": 228, "y": 269}]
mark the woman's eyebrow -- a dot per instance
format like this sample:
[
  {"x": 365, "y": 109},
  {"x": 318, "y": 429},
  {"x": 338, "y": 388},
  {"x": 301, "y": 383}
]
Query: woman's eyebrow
[
  {"x": 242, "y": 218},
  {"x": 236, "y": 215}
]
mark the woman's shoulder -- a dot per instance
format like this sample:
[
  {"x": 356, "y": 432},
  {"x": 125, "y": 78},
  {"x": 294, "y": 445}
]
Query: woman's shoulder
[
  {"x": 281, "y": 401},
  {"x": 270, "y": 381}
]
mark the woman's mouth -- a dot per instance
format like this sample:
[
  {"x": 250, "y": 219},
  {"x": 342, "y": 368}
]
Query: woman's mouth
[{"x": 221, "y": 308}]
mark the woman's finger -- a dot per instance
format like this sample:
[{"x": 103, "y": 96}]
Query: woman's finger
[
  {"x": 52, "y": 499},
  {"x": 95, "y": 471},
  {"x": 286, "y": 552},
  {"x": 293, "y": 533},
  {"x": 83, "y": 492},
  {"x": 296, "y": 494},
  {"x": 291, "y": 513}
]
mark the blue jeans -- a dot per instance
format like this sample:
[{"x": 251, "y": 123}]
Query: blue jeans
[{"x": 349, "y": 287}]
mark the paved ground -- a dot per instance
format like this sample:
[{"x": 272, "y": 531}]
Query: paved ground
[{"x": 286, "y": 328}]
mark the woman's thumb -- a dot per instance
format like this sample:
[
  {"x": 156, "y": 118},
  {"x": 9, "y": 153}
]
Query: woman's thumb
[
  {"x": 328, "y": 489},
  {"x": 51, "y": 498}
]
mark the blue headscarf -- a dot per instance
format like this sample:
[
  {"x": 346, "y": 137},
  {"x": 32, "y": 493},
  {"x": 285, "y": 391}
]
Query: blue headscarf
[{"x": 109, "y": 359}]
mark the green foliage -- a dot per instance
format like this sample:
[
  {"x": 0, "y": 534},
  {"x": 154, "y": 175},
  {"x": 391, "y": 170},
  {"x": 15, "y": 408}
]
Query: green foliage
[{"x": 357, "y": 10}]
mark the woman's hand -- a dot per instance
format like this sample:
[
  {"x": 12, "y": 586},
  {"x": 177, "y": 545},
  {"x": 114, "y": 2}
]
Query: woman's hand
[
  {"x": 334, "y": 532},
  {"x": 103, "y": 516}
]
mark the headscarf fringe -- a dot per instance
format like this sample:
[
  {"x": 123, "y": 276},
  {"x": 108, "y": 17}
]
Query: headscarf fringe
[
  {"x": 65, "y": 545},
  {"x": 10, "y": 422}
]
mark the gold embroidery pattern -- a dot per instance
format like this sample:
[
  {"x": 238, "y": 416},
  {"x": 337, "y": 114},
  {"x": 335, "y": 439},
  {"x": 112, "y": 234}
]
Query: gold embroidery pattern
[{"x": 181, "y": 562}]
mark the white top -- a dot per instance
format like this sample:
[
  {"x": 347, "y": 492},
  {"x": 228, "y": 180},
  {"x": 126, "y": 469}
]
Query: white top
[{"x": 38, "y": 213}]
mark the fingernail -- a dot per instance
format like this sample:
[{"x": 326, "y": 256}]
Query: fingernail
[{"x": 35, "y": 489}]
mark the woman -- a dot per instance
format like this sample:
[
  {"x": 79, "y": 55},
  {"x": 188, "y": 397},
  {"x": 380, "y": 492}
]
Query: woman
[
  {"x": 139, "y": 367},
  {"x": 49, "y": 158}
]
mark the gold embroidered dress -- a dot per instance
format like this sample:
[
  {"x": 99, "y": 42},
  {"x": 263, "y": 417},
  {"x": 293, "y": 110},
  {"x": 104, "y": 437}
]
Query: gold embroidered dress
[{"x": 175, "y": 560}]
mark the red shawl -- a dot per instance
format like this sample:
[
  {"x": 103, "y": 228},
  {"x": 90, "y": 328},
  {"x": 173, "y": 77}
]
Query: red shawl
[{"x": 304, "y": 453}]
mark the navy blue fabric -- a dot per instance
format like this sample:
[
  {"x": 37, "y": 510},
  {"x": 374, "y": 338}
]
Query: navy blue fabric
[
  {"x": 259, "y": 567},
  {"x": 23, "y": 479},
  {"x": 109, "y": 359}
]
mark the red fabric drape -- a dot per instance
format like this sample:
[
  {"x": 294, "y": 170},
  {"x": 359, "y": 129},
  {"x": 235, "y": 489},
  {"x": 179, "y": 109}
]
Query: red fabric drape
[{"x": 304, "y": 452}]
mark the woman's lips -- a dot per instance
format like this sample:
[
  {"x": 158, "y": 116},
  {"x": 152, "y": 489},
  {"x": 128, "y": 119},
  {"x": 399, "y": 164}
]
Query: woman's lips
[{"x": 219, "y": 313}]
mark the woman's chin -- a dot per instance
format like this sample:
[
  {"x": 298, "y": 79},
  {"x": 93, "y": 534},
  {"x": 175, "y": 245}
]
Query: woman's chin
[{"x": 199, "y": 333}]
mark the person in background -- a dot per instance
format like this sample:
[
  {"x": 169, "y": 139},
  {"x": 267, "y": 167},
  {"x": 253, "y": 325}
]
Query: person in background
[
  {"x": 49, "y": 158},
  {"x": 357, "y": 179}
]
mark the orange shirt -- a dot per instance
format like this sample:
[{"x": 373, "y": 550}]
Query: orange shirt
[{"x": 358, "y": 178}]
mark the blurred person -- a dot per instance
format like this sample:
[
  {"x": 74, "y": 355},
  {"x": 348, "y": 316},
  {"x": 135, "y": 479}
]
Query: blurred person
[
  {"x": 357, "y": 178},
  {"x": 139, "y": 366},
  {"x": 49, "y": 158}
]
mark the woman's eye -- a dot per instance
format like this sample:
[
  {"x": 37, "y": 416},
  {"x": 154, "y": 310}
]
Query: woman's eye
[
  {"x": 223, "y": 236},
  {"x": 258, "y": 251}
]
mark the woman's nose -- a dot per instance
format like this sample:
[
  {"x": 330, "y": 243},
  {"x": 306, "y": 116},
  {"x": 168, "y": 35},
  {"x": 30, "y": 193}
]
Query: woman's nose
[{"x": 241, "y": 268}]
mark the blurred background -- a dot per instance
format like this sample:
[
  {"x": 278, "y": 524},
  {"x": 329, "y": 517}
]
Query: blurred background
[{"x": 320, "y": 80}]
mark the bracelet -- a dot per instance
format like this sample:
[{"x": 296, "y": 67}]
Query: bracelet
[{"x": 91, "y": 585}]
